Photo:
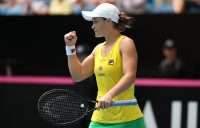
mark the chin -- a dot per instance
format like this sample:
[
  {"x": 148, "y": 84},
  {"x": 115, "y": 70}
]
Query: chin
[{"x": 97, "y": 35}]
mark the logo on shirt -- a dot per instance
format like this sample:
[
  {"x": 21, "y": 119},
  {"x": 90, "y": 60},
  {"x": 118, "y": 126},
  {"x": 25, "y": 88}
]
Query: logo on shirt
[
  {"x": 101, "y": 74},
  {"x": 111, "y": 62},
  {"x": 100, "y": 68}
]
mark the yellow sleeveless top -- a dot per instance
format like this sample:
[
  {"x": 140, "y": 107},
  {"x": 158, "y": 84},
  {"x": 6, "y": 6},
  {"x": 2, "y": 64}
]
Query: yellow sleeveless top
[{"x": 108, "y": 71}]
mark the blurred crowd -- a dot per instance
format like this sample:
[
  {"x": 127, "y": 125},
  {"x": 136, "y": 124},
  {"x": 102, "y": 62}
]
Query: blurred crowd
[{"x": 69, "y": 7}]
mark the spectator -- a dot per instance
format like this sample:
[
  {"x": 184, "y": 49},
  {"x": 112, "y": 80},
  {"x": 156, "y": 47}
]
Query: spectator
[
  {"x": 186, "y": 6},
  {"x": 60, "y": 7},
  {"x": 83, "y": 51},
  {"x": 166, "y": 6},
  {"x": 97, "y": 2},
  {"x": 40, "y": 7},
  {"x": 171, "y": 66},
  {"x": 179, "y": 7},
  {"x": 12, "y": 7},
  {"x": 159, "y": 3},
  {"x": 81, "y": 5},
  {"x": 133, "y": 6},
  {"x": 7, "y": 66}
]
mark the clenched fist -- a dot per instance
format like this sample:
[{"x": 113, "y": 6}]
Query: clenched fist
[{"x": 70, "y": 38}]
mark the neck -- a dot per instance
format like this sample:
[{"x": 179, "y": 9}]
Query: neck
[
  {"x": 172, "y": 59},
  {"x": 111, "y": 38}
]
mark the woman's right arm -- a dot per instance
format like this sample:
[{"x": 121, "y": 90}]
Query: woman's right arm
[{"x": 79, "y": 71}]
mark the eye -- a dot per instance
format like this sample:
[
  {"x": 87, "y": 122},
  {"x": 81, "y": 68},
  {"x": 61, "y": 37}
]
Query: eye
[
  {"x": 96, "y": 19},
  {"x": 94, "y": 22}
]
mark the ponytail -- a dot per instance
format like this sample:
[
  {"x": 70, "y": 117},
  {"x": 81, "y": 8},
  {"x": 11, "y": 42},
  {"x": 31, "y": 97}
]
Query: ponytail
[{"x": 124, "y": 22}]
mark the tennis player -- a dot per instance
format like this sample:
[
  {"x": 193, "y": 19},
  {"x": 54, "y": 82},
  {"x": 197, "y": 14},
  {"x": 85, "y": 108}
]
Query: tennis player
[{"x": 114, "y": 63}]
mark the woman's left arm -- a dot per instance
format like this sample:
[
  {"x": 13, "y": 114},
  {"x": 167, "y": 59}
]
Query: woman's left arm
[{"x": 129, "y": 58}]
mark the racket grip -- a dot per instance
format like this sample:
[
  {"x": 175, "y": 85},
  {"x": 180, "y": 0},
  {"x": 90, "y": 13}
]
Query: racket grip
[{"x": 124, "y": 103}]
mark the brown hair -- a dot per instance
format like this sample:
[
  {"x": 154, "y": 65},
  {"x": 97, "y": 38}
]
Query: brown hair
[{"x": 124, "y": 22}]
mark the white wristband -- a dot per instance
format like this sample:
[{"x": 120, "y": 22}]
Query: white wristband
[{"x": 70, "y": 50}]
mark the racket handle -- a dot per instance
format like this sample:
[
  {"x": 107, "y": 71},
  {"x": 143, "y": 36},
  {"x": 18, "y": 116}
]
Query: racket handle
[{"x": 124, "y": 102}]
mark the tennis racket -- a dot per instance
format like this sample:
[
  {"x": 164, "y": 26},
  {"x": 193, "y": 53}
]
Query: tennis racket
[{"x": 62, "y": 106}]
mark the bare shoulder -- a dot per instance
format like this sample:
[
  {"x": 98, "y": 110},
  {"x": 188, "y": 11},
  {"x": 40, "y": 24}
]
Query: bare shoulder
[
  {"x": 96, "y": 48},
  {"x": 127, "y": 42}
]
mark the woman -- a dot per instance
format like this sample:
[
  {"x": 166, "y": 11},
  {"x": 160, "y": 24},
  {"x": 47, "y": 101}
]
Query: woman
[{"x": 114, "y": 63}]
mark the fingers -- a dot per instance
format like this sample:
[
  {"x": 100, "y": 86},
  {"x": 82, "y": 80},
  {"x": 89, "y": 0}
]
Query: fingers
[
  {"x": 105, "y": 101},
  {"x": 70, "y": 38},
  {"x": 103, "y": 105},
  {"x": 70, "y": 35}
]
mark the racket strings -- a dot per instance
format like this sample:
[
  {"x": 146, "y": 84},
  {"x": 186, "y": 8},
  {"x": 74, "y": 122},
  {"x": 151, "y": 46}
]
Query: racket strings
[{"x": 62, "y": 108}]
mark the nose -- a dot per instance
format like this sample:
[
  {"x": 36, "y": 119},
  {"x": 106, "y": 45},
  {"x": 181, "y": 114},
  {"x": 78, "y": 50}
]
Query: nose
[{"x": 92, "y": 26}]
